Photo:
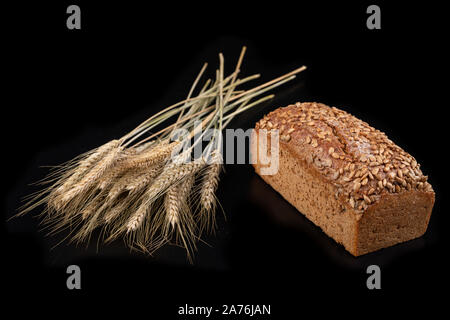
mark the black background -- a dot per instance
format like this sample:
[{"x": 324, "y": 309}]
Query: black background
[{"x": 72, "y": 90}]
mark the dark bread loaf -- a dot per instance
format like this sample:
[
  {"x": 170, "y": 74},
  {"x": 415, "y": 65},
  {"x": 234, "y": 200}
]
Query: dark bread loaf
[{"x": 348, "y": 178}]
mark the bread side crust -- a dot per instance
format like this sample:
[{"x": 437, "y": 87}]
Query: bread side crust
[
  {"x": 394, "y": 219},
  {"x": 309, "y": 192}
]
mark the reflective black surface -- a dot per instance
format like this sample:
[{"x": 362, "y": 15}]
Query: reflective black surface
[{"x": 71, "y": 91}]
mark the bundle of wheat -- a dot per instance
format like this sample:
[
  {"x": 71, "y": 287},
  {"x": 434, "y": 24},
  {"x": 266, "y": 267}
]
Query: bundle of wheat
[{"x": 149, "y": 188}]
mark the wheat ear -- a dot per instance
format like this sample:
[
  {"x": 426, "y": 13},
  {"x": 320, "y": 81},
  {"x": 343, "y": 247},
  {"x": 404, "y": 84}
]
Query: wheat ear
[
  {"x": 144, "y": 178},
  {"x": 176, "y": 200},
  {"x": 178, "y": 218},
  {"x": 114, "y": 212},
  {"x": 171, "y": 205},
  {"x": 208, "y": 187},
  {"x": 117, "y": 170},
  {"x": 173, "y": 173},
  {"x": 151, "y": 157},
  {"x": 92, "y": 176},
  {"x": 138, "y": 171},
  {"x": 91, "y": 207},
  {"x": 120, "y": 184},
  {"x": 86, "y": 164},
  {"x": 210, "y": 182},
  {"x": 137, "y": 218}
]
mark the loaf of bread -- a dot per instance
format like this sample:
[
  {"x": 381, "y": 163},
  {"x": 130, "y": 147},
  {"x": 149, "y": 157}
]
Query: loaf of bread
[{"x": 348, "y": 178}]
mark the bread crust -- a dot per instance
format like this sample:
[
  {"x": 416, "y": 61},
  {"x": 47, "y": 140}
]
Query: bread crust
[{"x": 354, "y": 173}]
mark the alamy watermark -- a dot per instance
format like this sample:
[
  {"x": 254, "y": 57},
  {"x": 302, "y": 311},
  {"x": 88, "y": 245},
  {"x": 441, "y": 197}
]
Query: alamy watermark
[
  {"x": 374, "y": 19},
  {"x": 264, "y": 147},
  {"x": 74, "y": 279},
  {"x": 374, "y": 280},
  {"x": 74, "y": 19}
]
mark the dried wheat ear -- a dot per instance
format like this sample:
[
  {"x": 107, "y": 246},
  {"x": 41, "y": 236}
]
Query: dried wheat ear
[{"x": 136, "y": 188}]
